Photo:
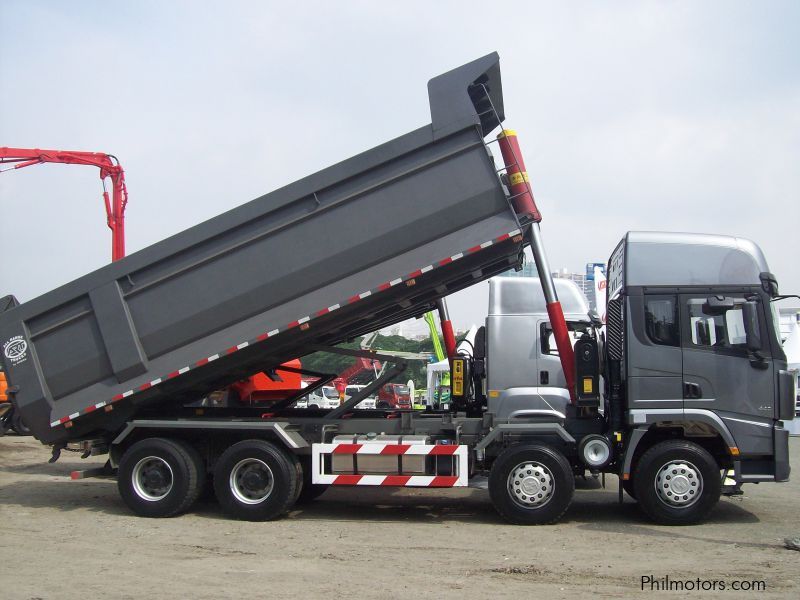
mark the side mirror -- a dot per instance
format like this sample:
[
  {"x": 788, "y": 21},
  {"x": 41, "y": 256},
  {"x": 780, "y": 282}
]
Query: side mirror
[
  {"x": 751, "y": 330},
  {"x": 769, "y": 283}
]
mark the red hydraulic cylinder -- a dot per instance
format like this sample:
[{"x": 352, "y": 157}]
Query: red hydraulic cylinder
[
  {"x": 109, "y": 168},
  {"x": 518, "y": 180},
  {"x": 447, "y": 328},
  {"x": 522, "y": 200}
]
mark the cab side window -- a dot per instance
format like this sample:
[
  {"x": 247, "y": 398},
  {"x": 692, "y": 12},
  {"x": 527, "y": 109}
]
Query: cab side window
[
  {"x": 661, "y": 320},
  {"x": 716, "y": 327}
]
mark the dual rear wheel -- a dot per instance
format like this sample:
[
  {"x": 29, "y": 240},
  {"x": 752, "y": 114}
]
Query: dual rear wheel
[
  {"x": 160, "y": 477},
  {"x": 253, "y": 480}
]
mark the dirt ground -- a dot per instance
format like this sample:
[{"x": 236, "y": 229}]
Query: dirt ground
[{"x": 66, "y": 539}]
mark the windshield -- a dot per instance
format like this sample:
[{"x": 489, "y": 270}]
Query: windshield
[
  {"x": 330, "y": 392},
  {"x": 401, "y": 389}
]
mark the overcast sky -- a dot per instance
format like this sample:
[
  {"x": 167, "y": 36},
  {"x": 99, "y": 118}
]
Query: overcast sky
[{"x": 645, "y": 115}]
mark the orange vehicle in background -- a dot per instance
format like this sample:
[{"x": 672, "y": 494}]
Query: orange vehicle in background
[
  {"x": 261, "y": 388},
  {"x": 5, "y": 405}
]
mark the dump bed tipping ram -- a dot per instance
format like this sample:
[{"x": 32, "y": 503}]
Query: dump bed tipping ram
[{"x": 360, "y": 245}]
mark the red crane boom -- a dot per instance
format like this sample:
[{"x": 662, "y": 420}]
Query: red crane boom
[{"x": 109, "y": 168}]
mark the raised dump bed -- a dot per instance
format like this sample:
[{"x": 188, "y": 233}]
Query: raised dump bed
[{"x": 365, "y": 243}]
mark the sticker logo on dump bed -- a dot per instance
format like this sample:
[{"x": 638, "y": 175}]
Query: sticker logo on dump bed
[{"x": 16, "y": 349}]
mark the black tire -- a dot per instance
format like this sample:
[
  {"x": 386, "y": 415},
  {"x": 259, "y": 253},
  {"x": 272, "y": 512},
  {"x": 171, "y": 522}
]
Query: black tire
[
  {"x": 313, "y": 406},
  {"x": 256, "y": 481},
  {"x": 677, "y": 482},
  {"x": 310, "y": 491},
  {"x": 159, "y": 477},
  {"x": 543, "y": 482},
  {"x": 627, "y": 485},
  {"x": 18, "y": 425}
]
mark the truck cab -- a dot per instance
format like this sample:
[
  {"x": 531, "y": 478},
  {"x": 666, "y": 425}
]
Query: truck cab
[
  {"x": 692, "y": 330},
  {"x": 394, "y": 395},
  {"x": 524, "y": 376},
  {"x": 325, "y": 397},
  {"x": 352, "y": 389}
]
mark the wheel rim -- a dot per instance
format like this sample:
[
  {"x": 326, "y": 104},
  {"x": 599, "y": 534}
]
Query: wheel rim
[
  {"x": 679, "y": 484},
  {"x": 251, "y": 481},
  {"x": 531, "y": 484},
  {"x": 152, "y": 478}
]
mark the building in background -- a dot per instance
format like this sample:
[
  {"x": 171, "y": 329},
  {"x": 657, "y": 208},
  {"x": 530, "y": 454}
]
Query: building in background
[
  {"x": 585, "y": 280},
  {"x": 528, "y": 270}
]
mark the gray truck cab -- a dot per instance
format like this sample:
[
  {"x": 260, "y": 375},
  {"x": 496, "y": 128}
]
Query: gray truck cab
[
  {"x": 524, "y": 376},
  {"x": 691, "y": 323}
]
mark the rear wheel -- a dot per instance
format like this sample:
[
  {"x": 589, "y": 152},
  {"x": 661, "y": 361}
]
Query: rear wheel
[
  {"x": 160, "y": 477},
  {"x": 18, "y": 425},
  {"x": 531, "y": 484},
  {"x": 256, "y": 481},
  {"x": 310, "y": 491},
  {"x": 677, "y": 482}
]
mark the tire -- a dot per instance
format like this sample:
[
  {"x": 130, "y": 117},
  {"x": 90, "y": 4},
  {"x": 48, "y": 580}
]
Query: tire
[
  {"x": 255, "y": 480},
  {"x": 677, "y": 482},
  {"x": 627, "y": 485},
  {"x": 18, "y": 425},
  {"x": 383, "y": 406},
  {"x": 313, "y": 406},
  {"x": 310, "y": 491},
  {"x": 160, "y": 477},
  {"x": 543, "y": 482}
]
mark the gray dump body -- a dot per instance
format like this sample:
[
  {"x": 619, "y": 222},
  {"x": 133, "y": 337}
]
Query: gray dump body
[{"x": 362, "y": 244}]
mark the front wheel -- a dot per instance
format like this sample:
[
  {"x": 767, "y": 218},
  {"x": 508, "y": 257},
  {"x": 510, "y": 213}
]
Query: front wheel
[
  {"x": 531, "y": 484},
  {"x": 627, "y": 485},
  {"x": 677, "y": 482},
  {"x": 256, "y": 481}
]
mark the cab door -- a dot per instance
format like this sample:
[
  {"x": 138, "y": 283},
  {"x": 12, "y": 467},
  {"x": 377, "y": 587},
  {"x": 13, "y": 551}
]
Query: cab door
[
  {"x": 654, "y": 357},
  {"x": 720, "y": 375}
]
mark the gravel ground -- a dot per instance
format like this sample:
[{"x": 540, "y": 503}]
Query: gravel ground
[{"x": 66, "y": 539}]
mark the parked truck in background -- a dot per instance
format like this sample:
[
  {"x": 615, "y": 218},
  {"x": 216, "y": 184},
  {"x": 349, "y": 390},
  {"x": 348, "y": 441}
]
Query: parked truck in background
[
  {"x": 394, "y": 395},
  {"x": 689, "y": 380},
  {"x": 353, "y": 389}
]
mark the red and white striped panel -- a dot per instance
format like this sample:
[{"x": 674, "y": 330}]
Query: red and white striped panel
[
  {"x": 318, "y": 474},
  {"x": 302, "y": 322}
]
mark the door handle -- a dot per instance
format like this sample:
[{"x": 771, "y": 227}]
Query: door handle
[
  {"x": 544, "y": 377},
  {"x": 692, "y": 391}
]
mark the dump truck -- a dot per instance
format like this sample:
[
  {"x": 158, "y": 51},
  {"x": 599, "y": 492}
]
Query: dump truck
[{"x": 687, "y": 383}]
